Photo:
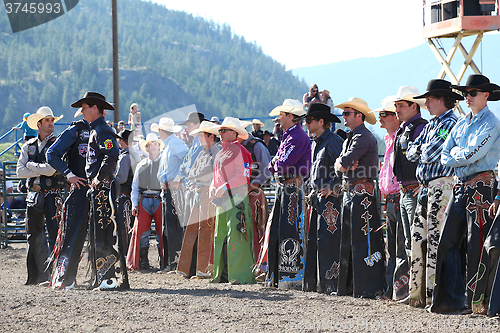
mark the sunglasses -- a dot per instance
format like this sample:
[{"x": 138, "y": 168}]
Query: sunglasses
[
  {"x": 346, "y": 113},
  {"x": 224, "y": 130},
  {"x": 473, "y": 93},
  {"x": 386, "y": 113},
  {"x": 309, "y": 120}
]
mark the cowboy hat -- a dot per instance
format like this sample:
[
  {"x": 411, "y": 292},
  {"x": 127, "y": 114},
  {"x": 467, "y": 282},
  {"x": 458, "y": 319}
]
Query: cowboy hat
[
  {"x": 194, "y": 117},
  {"x": 150, "y": 138},
  {"x": 205, "y": 126},
  {"x": 292, "y": 106},
  {"x": 235, "y": 125},
  {"x": 481, "y": 82},
  {"x": 257, "y": 121},
  {"x": 43, "y": 112},
  {"x": 92, "y": 98},
  {"x": 325, "y": 92},
  {"x": 387, "y": 104},
  {"x": 439, "y": 87},
  {"x": 166, "y": 124},
  {"x": 126, "y": 135},
  {"x": 408, "y": 93},
  {"x": 359, "y": 105},
  {"x": 321, "y": 111}
]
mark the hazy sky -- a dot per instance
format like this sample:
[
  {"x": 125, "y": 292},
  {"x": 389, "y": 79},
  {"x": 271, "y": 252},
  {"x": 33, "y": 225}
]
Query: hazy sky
[{"x": 299, "y": 34}]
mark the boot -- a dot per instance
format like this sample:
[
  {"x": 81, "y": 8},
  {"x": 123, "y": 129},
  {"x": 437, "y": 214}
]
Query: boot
[{"x": 143, "y": 259}]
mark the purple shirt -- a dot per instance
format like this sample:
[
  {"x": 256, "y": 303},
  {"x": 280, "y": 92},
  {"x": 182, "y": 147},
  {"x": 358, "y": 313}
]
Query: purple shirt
[
  {"x": 294, "y": 154},
  {"x": 418, "y": 129}
]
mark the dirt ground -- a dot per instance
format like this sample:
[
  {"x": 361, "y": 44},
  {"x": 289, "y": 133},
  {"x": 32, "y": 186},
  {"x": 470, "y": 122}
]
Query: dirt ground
[{"x": 160, "y": 302}]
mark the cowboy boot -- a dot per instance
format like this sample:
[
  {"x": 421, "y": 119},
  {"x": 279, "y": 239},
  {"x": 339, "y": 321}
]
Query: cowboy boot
[{"x": 143, "y": 259}]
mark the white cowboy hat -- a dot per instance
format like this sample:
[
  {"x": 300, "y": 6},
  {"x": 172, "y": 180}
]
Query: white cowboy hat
[
  {"x": 361, "y": 106},
  {"x": 257, "y": 121},
  {"x": 207, "y": 127},
  {"x": 166, "y": 124},
  {"x": 235, "y": 125},
  {"x": 292, "y": 106},
  {"x": 43, "y": 112},
  {"x": 407, "y": 93},
  {"x": 150, "y": 138},
  {"x": 387, "y": 104}
]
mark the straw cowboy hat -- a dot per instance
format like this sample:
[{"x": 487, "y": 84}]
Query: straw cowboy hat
[
  {"x": 91, "y": 98},
  {"x": 235, "y": 125},
  {"x": 408, "y": 93},
  {"x": 321, "y": 111},
  {"x": 439, "y": 87},
  {"x": 166, "y": 124},
  {"x": 360, "y": 105},
  {"x": 207, "y": 127},
  {"x": 481, "y": 82},
  {"x": 257, "y": 121},
  {"x": 245, "y": 123},
  {"x": 150, "y": 138},
  {"x": 292, "y": 106},
  {"x": 387, "y": 104},
  {"x": 41, "y": 113}
]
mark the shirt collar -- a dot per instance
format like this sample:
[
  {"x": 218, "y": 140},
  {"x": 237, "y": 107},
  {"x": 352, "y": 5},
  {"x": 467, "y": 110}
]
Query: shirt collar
[
  {"x": 417, "y": 116},
  {"x": 97, "y": 122}
]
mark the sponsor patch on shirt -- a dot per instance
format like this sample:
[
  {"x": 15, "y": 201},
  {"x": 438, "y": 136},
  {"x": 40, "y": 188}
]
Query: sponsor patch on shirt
[
  {"x": 82, "y": 149},
  {"x": 31, "y": 150},
  {"x": 108, "y": 144},
  {"x": 84, "y": 135}
]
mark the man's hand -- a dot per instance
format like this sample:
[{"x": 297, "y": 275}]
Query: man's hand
[
  {"x": 492, "y": 211},
  {"x": 77, "y": 181},
  {"x": 339, "y": 166},
  {"x": 325, "y": 192},
  {"x": 355, "y": 166}
]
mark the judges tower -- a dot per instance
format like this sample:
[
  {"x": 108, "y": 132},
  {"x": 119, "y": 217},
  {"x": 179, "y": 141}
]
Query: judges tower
[{"x": 457, "y": 19}]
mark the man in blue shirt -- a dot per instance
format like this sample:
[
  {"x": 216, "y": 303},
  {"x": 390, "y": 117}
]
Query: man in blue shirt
[
  {"x": 473, "y": 150},
  {"x": 171, "y": 158},
  {"x": 436, "y": 184},
  {"x": 323, "y": 240}
]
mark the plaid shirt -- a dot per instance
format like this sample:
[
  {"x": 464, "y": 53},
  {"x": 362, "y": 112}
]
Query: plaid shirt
[{"x": 427, "y": 148}]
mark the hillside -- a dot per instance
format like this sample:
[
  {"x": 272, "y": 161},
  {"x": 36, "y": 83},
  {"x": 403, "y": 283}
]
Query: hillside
[{"x": 168, "y": 60}]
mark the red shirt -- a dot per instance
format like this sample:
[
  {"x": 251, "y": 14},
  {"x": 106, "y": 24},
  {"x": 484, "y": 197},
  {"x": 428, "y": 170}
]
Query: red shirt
[{"x": 232, "y": 166}]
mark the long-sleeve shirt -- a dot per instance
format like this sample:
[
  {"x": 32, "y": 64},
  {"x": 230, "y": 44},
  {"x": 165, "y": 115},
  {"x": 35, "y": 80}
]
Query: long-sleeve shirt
[
  {"x": 261, "y": 161},
  {"x": 72, "y": 142},
  {"x": 126, "y": 161},
  {"x": 171, "y": 158},
  {"x": 232, "y": 166},
  {"x": 325, "y": 150},
  {"x": 146, "y": 163},
  {"x": 427, "y": 148},
  {"x": 188, "y": 161},
  {"x": 29, "y": 169},
  {"x": 102, "y": 153},
  {"x": 202, "y": 172},
  {"x": 294, "y": 154},
  {"x": 473, "y": 145},
  {"x": 360, "y": 146},
  {"x": 388, "y": 182}
]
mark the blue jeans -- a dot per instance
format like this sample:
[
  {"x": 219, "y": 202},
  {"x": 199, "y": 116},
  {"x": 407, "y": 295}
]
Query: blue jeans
[
  {"x": 150, "y": 205},
  {"x": 407, "y": 204}
]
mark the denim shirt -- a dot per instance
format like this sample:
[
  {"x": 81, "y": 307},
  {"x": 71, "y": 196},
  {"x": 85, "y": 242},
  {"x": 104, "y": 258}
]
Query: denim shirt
[
  {"x": 171, "y": 158},
  {"x": 473, "y": 147}
]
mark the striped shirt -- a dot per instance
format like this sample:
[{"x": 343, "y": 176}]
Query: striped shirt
[{"x": 427, "y": 148}]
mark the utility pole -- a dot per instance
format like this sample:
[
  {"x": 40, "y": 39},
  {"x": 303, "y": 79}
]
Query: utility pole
[{"x": 116, "y": 76}]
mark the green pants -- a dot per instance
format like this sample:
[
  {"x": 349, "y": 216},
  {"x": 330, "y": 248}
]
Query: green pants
[{"x": 232, "y": 247}]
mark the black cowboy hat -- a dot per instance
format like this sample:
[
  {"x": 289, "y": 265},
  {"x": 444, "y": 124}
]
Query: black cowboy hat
[
  {"x": 439, "y": 87},
  {"x": 126, "y": 135},
  {"x": 194, "y": 117},
  {"x": 321, "y": 111},
  {"x": 266, "y": 132},
  {"x": 481, "y": 82},
  {"x": 93, "y": 98}
]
